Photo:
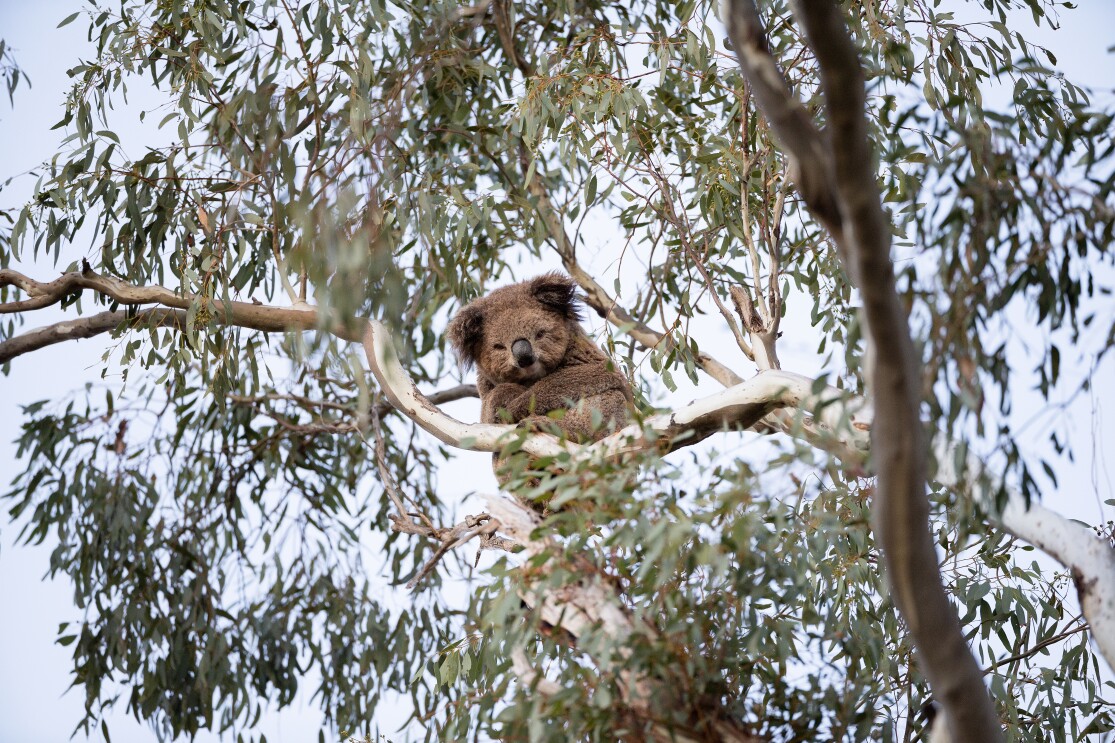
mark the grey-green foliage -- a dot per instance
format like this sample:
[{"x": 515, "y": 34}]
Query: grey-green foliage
[
  {"x": 396, "y": 160},
  {"x": 10, "y": 72}
]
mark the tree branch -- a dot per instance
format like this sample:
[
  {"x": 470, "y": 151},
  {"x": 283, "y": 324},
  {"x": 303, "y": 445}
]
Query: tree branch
[
  {"x": 810, "y": 161},
  {"x": 743, "y": 405},
  {"x": 1089, "y": 557},
  {"x": 242, "y": 314},
  {"x": 473, "y": 526},
  {"x": 87, "y": 327},
  {"x": 842, "y": 175}
]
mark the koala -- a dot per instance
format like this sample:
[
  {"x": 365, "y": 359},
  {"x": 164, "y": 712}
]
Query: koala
[{"x": 533, "y": 358}]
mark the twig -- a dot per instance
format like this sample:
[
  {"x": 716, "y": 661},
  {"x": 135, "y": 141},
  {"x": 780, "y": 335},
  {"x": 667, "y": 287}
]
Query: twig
[
  {"x": 1080, "y": 627},
  {"x": 385, "y": 474},
  {"x": 483, "y": 524}
]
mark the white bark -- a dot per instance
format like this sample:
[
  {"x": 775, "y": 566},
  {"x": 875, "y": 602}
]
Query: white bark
[
  {"x": 743, "y": 405},
  {"x": 1090, "y": 558}
]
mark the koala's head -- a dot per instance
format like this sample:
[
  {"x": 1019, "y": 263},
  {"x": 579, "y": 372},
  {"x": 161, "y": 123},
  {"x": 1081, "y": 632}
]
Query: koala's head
[{"x": 519, "y": 333}]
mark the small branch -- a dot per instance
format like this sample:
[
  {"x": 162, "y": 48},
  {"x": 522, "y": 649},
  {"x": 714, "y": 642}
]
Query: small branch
[
  {"x": 724, "y": 312},
  {"x": 438, "y": 397},
  {"x": 479, "y": 526},
  {"x": 810, "y": 160},
  {"x": 529, "y": 677},
  {"x": 306, "y": 403},
  {"x": 389, "y": 484},
  {"x": 469, "y": 11},
  {"x": 501, "y": 15},
  {"x": 746, "y": 309},
  {"x": 764, "y": 333},
  {"x": 1081, "y": 626}
]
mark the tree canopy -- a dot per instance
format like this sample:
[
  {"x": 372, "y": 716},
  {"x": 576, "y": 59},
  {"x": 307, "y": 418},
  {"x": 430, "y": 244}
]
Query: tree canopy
[{"x": 887, "y": 190}]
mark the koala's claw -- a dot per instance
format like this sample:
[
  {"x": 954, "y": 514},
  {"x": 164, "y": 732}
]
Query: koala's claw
[{"x": 540, "y": 424}]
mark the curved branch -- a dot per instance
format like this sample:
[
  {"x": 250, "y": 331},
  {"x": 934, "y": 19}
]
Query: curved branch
[
  {"x": 405, "y": 397},
  {"x": 741, "y": 406},
  {"x": 1089, "y": 557},
  {"x": 840, "y": 174}
]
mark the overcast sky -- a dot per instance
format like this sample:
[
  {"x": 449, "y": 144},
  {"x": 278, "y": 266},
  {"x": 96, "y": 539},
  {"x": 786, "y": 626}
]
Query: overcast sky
[{"x": 34, "y": 672}]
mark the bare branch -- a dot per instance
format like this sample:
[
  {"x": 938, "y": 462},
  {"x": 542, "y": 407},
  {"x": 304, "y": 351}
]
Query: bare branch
[
  {"x": 439, "y": 397},
  {"x": 469, "y": 11},
  {"x": 529, "y": 677},
  {"x": 477, "y": 526},
  {"x": 711, "y": 286},
  {"x": 389, "y": 483},
  {"x": 243, "y": 314},
  {"x": 505, "y": 29},
  {"x": 87, "y": 327}
]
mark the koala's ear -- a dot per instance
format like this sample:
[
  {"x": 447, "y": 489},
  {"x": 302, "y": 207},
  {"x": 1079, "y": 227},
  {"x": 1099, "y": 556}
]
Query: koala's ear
[
  {"x": 557, "y": 293},
  {"x": 465, "y": 332}
]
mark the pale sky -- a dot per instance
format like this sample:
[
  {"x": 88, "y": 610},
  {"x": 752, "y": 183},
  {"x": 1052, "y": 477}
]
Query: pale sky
[{"x": 34, "y": 672}]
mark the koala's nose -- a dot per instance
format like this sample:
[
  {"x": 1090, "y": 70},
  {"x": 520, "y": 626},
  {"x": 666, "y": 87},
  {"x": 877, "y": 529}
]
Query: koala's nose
[{"x": 523, "y": 353}]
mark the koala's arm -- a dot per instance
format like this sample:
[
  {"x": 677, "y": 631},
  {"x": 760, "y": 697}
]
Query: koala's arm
[
  {"x": 602, "y": 388},
  {"x": 494, "y": 397}
]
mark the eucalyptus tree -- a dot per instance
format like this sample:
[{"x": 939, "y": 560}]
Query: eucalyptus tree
[{"x": 340, "y": 176}]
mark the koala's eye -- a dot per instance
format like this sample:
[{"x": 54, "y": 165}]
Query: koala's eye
[
  {"x": 539, "y": 334},
  {"x": 500, "y": 347}
]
